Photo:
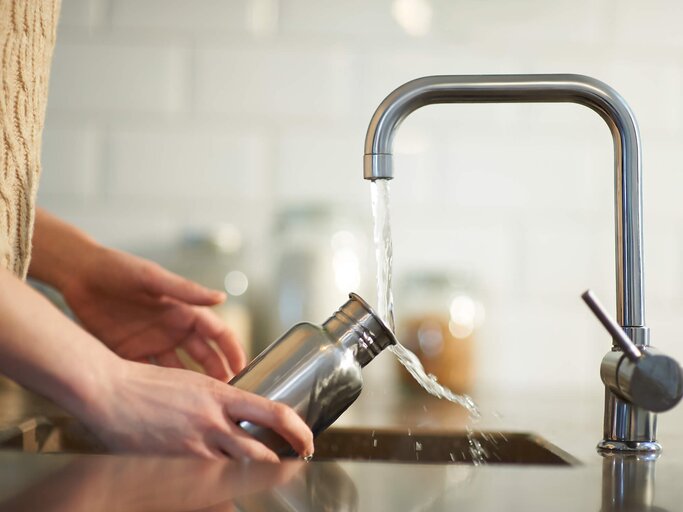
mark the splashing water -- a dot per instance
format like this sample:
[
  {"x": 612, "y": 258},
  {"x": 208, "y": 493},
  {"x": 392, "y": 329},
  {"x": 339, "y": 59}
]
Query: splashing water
[
  {"x": 429, "y": 383},
  {"x": 385, "y": 308},
  {"x": 477, "y": 452},
  {"x": 385, "y": 299}
]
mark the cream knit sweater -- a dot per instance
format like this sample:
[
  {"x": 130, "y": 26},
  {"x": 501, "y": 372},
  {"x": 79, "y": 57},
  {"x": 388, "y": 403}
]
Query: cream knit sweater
[{"x": 27, "y": 38}]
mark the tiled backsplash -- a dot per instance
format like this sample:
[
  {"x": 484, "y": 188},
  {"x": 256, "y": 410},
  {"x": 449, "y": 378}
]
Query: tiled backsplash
[{"x": 165, "y": 114}]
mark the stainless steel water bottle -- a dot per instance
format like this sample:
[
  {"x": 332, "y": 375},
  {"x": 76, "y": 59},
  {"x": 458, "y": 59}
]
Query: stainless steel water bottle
[{"x": 316, "y": 370}]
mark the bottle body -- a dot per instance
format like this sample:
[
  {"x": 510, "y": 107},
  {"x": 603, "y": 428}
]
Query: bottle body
[
  {"x": 316, "y": 370},
  {"x": 309, "y": 372}
]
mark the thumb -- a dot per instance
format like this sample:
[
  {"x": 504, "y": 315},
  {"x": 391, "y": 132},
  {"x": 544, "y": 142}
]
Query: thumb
[{"x": 160, "y": 281}]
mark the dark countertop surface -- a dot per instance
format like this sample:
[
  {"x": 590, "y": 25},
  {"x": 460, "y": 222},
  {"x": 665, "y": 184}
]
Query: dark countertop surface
[{"x": 74, "y": 482}]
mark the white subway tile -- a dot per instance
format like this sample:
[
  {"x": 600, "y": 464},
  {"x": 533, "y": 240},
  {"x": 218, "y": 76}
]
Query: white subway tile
[
  {"x": 320, "y": 165},
  {"x": 525, "y": 173},
  {"x": 186, "y": 164},
  {"x": 118, "y": 77},
  {"x": 662, "y": 257},
  {"x": 70, "y": 163},
  {"x": 82, "y": 14},
  {"x": 141, "y": 223},
  {"x": 520, "y": 22},
  {"x": 275, "y": 81},
  {"x": 662, "y": 182},
  {"x": 120, "y": 225},
  {"x": 429, "y": 238},
  {"x": 663, "y": 319},
  {"x": 652, "y": 24},
  {"x": 652, "y": 86},
  {"x": 534, "y": 336},
  {"x": 350, "y": 19},
  {"x": 563, "y": 257},
  {"x": 189, "y": 15}
]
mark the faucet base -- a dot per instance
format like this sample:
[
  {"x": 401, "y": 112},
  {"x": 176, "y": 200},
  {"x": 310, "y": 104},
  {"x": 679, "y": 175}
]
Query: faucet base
[
  {"x": 627, "y": 427},
  {"x": 610, "y": 446}
]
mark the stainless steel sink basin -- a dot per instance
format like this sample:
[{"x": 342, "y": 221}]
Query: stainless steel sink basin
[
  {"x": 364, "y": 444},
  {"x": 427, "y": 446}
]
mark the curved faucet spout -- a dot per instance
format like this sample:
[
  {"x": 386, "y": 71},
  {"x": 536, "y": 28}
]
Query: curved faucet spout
[{"x": 540, "y": 89}]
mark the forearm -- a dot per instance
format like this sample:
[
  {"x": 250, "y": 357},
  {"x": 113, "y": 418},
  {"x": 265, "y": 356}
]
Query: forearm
[
  {"x": 45, "y": 351},
  {"x": 60, "y": 250}
]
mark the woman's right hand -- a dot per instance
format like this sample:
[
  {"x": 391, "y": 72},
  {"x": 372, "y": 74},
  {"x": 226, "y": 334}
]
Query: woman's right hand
[
  {"x": 150, "y": 409},
  {"x": 132, "y": 407}
]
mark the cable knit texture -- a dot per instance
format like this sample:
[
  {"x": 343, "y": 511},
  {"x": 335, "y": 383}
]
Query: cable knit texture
[{"x": 27, "y": 38}]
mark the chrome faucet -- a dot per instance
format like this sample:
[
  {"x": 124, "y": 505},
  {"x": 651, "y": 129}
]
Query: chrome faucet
[{"x": 628, "y": 426}]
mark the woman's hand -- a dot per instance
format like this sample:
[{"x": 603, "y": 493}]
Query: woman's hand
[
  {"x": 139, "y": 310},
  {"x": 142, "y": 311},
  {"x": 131, "y": 406},
  {"x": 144, "y": 408}
]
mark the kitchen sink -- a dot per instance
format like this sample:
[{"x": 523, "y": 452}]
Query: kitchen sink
[
  {"x": 40, "y": 435},
  {"x": 438, "y": 447}
]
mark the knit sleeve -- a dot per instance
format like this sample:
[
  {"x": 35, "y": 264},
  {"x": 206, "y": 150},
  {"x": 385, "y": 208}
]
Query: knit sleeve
[{"x": 27, "y": 37}]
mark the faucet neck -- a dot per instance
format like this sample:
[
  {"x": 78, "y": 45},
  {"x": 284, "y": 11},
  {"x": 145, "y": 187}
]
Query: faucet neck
[{"x": 540, "y": 89}]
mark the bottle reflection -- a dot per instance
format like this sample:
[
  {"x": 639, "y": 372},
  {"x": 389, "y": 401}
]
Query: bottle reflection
[
  {"x": 628, "y": 483},
  {"x": 93, "y": 483},
  {"x": 322, "y": 486}
]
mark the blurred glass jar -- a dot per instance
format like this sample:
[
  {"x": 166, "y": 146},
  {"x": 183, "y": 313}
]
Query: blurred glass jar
[
  {"x": 321, "y": 256},
  {"x": 212, "y": 256},
  {"x": 438, "y": 318}
]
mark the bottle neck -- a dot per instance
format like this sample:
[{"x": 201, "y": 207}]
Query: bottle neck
[{"x": 357, "y": 327}]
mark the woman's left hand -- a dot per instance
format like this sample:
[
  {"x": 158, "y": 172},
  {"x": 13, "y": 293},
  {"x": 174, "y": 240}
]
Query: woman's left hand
[{"x": 144, "y": 313}]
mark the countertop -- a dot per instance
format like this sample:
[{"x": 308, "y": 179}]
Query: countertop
[{"x": 571, "y": 421}]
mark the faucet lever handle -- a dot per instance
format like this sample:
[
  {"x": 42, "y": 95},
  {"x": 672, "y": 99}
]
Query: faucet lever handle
[
  {"x": 618, "y": 334},
  {"x": 642, "y": 376}
]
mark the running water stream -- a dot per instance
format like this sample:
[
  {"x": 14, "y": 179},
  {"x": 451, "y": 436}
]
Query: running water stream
[{"x": 385, "y": 309}]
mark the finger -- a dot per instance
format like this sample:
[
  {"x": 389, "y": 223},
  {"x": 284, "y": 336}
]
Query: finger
[
  {"x": 214, "y": 363},
  {"x": 159, "y": 281},
  {"x": 240, "y": 445},
  {"x": 274, "y": 415},
  {"x": 210, "y": 326},
  {"x": 170, "y": 359}
]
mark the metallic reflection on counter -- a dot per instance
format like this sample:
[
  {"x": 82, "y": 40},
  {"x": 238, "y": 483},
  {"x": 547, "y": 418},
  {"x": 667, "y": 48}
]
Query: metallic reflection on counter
[
  {"x": 92, "y": 483},
  {"x": 628, "y": 483},
  {"x": 318, "y": 486}
]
